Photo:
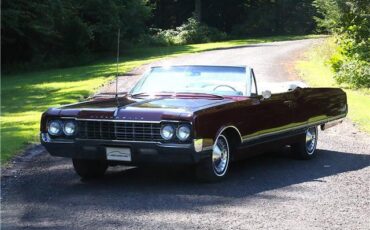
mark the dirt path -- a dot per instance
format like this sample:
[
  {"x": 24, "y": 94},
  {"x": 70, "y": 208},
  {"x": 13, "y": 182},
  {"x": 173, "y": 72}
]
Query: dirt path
[{"x": 275, "y": 192}]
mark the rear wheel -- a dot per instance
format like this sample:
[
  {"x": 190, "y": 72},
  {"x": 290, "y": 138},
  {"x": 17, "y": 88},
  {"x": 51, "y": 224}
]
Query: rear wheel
[
  {"x": 88, "y": 169},
  {"x": 215, "y": 167},
  {"x": 306, "y": 148}
]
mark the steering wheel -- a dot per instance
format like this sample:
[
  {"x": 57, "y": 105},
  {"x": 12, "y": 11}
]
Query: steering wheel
[{"x": 224, "y": 86}]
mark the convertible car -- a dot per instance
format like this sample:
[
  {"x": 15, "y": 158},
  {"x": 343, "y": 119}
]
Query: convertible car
[{"x": 202, "y": 116}]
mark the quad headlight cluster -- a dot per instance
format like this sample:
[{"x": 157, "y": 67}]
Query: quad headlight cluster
[
  {"x": 169, "y": 131},
  {"x": 58, "y": 127}
]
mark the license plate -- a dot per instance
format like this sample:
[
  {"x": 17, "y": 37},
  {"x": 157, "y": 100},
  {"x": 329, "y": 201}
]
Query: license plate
[{"x": 118, "y": 154}]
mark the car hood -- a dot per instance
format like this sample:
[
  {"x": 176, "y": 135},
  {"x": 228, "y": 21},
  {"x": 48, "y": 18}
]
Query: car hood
[{"x": 153, "y": 109}]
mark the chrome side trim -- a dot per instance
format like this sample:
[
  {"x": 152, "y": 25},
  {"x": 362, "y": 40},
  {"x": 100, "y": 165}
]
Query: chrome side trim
[{"x": 254, "y": 137}]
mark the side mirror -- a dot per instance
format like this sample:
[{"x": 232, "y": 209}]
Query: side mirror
[{"x": 266, "y": 94}]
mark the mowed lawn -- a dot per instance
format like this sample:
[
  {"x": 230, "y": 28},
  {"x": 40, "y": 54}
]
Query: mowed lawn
[
  {"x": 315, "y": 70},
  {"x": 26, "y": 95}
]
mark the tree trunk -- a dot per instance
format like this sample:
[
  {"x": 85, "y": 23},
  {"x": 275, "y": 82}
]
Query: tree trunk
[{"x": 198, "y": 10}]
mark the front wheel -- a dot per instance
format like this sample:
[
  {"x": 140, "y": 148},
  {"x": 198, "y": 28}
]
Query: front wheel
[
  {"x": 305, "y": 149},
  {"x": 215, "y": 167},
  {"x": 88, "y": 169}
]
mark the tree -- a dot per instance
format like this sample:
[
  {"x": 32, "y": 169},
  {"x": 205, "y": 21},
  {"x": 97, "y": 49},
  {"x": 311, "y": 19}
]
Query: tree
[
  {"x": 198, "y": 10},
  {"x": 349, "y": 21},
  {"x": 64, "y": 32}
]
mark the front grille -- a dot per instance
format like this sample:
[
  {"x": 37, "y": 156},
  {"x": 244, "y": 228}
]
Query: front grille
[{"x": 108, "y": 130}]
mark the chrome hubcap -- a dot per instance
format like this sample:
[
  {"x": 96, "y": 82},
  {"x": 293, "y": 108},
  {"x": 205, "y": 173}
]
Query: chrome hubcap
[
  {"x": 220, "y": 156},
  {"x": 311, "y": 138}
]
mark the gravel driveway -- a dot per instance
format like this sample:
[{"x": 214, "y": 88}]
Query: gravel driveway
[{"x": 331, "y": 191}]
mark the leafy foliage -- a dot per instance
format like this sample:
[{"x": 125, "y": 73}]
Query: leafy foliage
[
  {"x": 190, "y": 32},
  {"x": 61, "y": 33},
  {"x": 276, "y": 17},
  {"x": 350, "y": 21},
  {"x": 39, "y": 31},
  {"x": 240, "y": 17},
  {"x": 355, "y": 72}
]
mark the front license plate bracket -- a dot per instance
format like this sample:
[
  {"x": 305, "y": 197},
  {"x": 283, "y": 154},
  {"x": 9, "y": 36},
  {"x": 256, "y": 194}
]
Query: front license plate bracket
[{"x": 118, "y": 154}]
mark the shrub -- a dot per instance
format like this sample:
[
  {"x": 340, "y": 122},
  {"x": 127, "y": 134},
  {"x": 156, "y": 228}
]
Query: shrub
[
  {"x": 349, "y": 21},
  {"x": 354, "y": 72},
  {"x": 188, "y": 33}
]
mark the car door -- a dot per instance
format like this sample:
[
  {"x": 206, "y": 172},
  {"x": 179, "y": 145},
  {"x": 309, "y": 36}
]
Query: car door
[
  {"x": 275, "y": 113},
  {"x": 266, "y": 117}
]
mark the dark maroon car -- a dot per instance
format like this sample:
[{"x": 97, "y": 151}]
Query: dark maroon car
[{"x": 206, "y": 116}]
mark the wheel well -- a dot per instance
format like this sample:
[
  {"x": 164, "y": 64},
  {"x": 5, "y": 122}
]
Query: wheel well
[{"x": 233, "y": 135}]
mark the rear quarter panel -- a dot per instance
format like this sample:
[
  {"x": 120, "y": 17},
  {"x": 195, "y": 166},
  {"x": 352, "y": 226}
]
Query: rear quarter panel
[{"x": 319, "y": 104}]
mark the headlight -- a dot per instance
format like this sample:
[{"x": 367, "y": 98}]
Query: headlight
[
  {"x": 69, "y": 128},
  {"x": 183, "y": 132},
  {"x": 167, "y": 132},
  {"x": 55, "y": 128}
]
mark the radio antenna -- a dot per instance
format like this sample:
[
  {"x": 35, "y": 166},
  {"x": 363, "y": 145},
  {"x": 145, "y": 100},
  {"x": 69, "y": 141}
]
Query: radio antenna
[{"x": 119, "y": 30}]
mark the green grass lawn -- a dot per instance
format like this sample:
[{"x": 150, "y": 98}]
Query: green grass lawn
[
  {"x": 26, "y": 95},
  {"x": 316, "y": 72}
]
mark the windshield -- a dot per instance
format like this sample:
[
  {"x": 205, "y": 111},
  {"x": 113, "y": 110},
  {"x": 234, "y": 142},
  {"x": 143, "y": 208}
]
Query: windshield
[{"x": 194, "y": 79}]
